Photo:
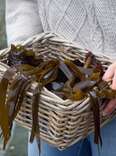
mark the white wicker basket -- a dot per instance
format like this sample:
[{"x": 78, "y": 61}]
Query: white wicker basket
[{"x": 61, "y": 122}]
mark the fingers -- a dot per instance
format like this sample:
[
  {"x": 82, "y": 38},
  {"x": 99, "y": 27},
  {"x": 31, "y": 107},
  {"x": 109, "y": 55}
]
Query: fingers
[
  {"x": 110, "y": 75},
  {"x": 113, "y": 85},
  {"x": 111, "y": 106}
]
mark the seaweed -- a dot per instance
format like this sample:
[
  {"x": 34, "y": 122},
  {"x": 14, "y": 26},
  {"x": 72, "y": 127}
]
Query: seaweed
[{"x": 4, "y": 118}]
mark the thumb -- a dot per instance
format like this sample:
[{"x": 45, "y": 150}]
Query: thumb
[{"x": 109, "y": 73}]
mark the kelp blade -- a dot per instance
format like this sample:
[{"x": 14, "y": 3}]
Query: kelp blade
[{"x": 4, "y": 118}]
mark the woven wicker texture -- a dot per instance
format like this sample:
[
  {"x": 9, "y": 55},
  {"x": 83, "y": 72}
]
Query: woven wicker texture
[{"x": 61, "y": 122}]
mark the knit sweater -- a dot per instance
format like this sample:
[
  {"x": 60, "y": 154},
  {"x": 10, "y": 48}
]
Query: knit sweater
[{"x": 90, "y": 23}]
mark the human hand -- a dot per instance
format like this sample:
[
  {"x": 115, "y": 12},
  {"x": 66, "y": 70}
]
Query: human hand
[{"x": 110, "y": 75}]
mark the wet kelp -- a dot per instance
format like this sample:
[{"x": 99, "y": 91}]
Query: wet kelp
[{"x": 74, "y": 80}]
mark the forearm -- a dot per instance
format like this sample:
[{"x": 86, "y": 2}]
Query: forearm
[{"x": 22, "y": 20}]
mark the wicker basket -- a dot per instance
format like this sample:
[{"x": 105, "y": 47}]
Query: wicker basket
[{"x": 62, "y": 122}]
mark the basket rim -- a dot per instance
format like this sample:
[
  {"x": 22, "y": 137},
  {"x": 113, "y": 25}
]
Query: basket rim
[{"x": 57, "y": 38}]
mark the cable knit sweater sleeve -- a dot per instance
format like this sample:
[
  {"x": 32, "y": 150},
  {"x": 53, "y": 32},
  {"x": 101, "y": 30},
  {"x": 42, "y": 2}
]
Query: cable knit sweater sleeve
[{"x": 22, "y": 20}]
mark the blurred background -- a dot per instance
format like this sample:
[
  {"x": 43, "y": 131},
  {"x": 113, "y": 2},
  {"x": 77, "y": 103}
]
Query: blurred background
[
  {"x": 18, "y": 144},
  {"x": 2, "y": 25}
]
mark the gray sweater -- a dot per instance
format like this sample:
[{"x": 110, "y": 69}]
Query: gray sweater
[{"x": 90, "y": 23}]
